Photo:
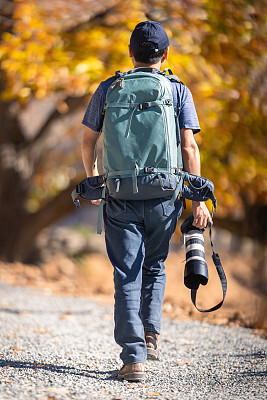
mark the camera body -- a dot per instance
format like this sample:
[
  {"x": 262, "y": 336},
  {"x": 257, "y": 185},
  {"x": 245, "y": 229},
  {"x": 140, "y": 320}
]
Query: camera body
[{"x": 196, "y": 270}]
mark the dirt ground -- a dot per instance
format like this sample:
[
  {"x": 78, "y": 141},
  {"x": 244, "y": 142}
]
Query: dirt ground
[{"x": 92, "y": 275}]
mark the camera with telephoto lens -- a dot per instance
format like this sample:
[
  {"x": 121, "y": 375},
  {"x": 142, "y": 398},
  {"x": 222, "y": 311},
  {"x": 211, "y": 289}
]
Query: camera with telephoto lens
[{"x": 196, "y": 270}]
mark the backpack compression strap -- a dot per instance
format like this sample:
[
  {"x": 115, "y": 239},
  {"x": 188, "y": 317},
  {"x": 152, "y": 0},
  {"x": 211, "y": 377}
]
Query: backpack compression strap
[{"x": 100, "y": 211}]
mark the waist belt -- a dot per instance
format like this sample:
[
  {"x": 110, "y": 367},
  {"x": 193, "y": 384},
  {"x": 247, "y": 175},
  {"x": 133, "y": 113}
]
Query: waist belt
[{"x": 198, "y": 189}]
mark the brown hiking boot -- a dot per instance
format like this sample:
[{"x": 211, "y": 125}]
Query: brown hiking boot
[
  {"x": 132, "y": 372},
  {"x": 152, "y": 349}
]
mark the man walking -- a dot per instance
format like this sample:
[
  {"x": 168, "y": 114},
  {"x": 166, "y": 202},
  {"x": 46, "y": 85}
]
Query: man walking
[{"x": 138, "y": 232}]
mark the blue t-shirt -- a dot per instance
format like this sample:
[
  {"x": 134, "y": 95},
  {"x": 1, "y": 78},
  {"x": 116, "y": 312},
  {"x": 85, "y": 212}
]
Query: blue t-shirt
[{"x": 93, "y": 117}]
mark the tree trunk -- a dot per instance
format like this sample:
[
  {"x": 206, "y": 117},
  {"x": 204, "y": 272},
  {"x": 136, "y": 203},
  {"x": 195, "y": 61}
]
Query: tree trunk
[
  {"x": 12, "y": 212},
  {"x": 19, "y": 228},
  {"x": 253, "y": 225},
  {"x": 18, "y": 163},
  {"x": 19, "y": 160}
]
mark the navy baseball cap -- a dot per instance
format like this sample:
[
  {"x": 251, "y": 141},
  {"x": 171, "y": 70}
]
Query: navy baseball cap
[{"x": 149, "y": 31}]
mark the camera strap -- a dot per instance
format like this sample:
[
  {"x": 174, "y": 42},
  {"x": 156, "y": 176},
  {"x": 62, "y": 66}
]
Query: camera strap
[{"x": 217, "y": 262}]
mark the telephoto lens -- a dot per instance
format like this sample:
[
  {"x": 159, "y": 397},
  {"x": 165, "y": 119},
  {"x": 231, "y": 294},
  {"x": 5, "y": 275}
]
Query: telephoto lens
[{"x": 196, "y": 270}]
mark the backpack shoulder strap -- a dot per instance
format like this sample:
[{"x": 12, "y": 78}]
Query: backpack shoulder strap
[
  {"x": 171, "y": 76},
  {"x": 118, "y": 74},
  {"x": 142, "y": 69}
]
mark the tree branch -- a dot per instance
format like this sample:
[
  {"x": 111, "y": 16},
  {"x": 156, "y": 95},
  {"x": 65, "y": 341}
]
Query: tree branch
[
  {"x": 40, "y": 144},
  {"x": 55, "y": 209},
  {"x": 73, "y": 103},
  {"x": 91, "y": 19},
  {"x": 6, "y": 21},
  {"x": 10, "y": 129}
]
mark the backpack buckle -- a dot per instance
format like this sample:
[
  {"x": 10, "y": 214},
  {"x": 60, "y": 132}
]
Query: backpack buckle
[
  {"x": 77, "y": 203},
  {"x": 143, "y": 106},
  {"x": 80, "y": 188},
  {"x": 168, "y": 102},
  {"x": 149, "y": 170}
]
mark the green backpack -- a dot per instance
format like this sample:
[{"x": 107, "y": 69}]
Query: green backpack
[{"x": 141, "y": 139}]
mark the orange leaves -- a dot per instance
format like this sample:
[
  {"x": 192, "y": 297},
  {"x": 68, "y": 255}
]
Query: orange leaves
[
  {"x": 180, "y": 363},
  {"x": 67, "y": 316},
  {"x": 23, "y": 54},
  {"x": 16, "y": 348},
  {"x": 37, "y": 59},
  {"x": 42, "y": 331},
  {"x": 217, "y": 49},
  {"x": 5, "y": 380}
]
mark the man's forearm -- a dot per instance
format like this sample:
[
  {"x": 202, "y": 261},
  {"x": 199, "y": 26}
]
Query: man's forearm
[
  {"x": 88, "y": 161},
  {"x": 191, "y": 160},
  {"x": 190, "y": 152},
  {"x": 88, "y": 151}
]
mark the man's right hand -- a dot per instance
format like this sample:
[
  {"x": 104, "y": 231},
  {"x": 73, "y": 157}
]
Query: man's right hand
[
  {"x": 96, "y": 202},
  {"x": 201, "y": 214}
]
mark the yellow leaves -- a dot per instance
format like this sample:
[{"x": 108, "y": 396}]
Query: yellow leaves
[
  {"x": 206, "y": 88},
  {"x": 81, "y": 68},
  {"x": 38, "y": 59},
  {"x": 62, "y": 107},
  {"x": 40, "y": 93},
  {"x": 233, "y": 94},
  {"x": 222, "y": 38},
  {"x": 137, "y": 13},
  {"x": 88, "y": 65},
  {"x": 32, "y": 56},
  {"x": 24, "y": 92},
  {"x": 7, "y": 36},
  {"x": 234, "y": 117},
  {"x": 23, "y": 12}
]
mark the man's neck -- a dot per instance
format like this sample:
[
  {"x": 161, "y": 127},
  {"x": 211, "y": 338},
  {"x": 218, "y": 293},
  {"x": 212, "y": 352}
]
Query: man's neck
[{"x": 140, "y": 65}]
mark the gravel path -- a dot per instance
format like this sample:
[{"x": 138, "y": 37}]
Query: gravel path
[{"x": 55, "y": 347}]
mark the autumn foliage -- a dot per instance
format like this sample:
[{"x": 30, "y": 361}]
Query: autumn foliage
[{"x": 58, "y": 51}]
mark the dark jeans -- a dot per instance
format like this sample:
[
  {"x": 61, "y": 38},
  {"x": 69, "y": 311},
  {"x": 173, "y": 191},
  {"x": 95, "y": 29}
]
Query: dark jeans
[{"x": 137, "y": 236}]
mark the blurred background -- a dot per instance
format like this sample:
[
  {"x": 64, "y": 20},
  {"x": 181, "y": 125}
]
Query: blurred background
[{"x": 53, "y": 54}]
